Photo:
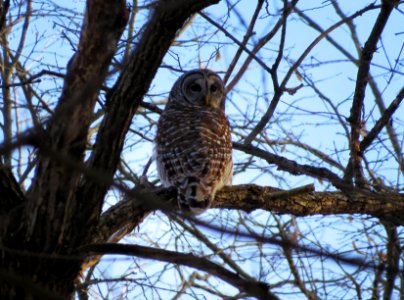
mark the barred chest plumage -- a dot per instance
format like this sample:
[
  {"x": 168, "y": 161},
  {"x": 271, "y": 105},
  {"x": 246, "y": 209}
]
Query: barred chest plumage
[{"x": 193, "y": 143}]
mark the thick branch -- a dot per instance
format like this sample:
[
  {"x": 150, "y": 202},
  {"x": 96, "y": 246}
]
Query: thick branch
[
  {"x": 52, "y": 196},
  {"x": 127, "y": 214},
  {"x": 120, "y": 220},
  {"x": 253, "y": 288},
  {"x": 388, "y": 206},
  {"x": 23, "y": 283},
  {"x": 126, "y": 96},
  {"x": 4, "y": 6}
]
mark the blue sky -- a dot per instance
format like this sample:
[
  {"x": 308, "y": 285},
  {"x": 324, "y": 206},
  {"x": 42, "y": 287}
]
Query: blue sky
[{"x": 303, "y": 113}]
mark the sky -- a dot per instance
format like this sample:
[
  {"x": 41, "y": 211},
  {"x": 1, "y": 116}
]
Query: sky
[{"x": 50, "y": 45}]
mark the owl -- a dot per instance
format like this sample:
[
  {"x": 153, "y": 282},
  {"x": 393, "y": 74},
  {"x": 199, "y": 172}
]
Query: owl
[{"x": 193, "y": 148}]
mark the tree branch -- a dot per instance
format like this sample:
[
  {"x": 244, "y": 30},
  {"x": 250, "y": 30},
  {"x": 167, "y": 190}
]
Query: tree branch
[
  {"x": 128, "y": 213},
  {"x": 384, "y": 119},
  {"x": 389, "y": 206},
  {"x": 277, "y": 96},
  {"x": 291, "y": 166},
  {"x": 372, "y": 84},
  {"x": 25, "y": 283},
  {"x": 259, "y": 290},
  {"x": 243, "y": 45},
  {"x": 127, "y": 93},
  {"x": 4, "y": 6},
  {"x": 10, "y": 191},
  {"x": 52, "y": 194},
  {"x": 393, "y": 259},
  {"x": 354, "y": 168}
]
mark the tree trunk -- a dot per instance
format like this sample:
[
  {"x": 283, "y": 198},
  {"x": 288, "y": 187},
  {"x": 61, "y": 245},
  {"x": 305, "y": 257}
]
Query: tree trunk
[{"x": 41, "y": 230}]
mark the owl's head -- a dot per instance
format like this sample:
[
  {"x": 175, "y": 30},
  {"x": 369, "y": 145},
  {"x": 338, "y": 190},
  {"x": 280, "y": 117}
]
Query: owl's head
[{"x": 200, "y": 87}]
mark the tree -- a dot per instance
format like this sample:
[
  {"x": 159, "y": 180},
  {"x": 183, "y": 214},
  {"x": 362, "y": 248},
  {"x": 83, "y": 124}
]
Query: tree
[{"x": 321, "y": 122}]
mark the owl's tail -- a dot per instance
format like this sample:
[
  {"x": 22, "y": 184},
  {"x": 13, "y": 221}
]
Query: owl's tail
[{"x": 194, "y": 196}]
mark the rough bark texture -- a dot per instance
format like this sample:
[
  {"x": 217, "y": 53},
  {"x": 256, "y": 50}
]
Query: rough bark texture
[
  {"x": 11, "y": 194},
  {"x": 389, "y": 206},
  {"x": 128, "y": 214},
  {"x": 46, "y": 224},
  {"x": 61, "y": 211}
]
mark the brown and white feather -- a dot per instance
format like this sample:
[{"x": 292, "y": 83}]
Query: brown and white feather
[{"x": 193, "y": 143}]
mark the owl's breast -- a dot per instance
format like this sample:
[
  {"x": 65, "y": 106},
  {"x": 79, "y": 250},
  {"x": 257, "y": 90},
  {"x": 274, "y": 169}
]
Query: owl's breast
[{"x": 190, "y": 143}]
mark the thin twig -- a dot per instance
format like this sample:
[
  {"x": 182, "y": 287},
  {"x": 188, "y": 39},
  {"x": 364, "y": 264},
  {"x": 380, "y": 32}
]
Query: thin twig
[
  {"x": 253, "y": 288},
  {"x": 275, "y": 100},
  {"x": 381, "y": 123}
]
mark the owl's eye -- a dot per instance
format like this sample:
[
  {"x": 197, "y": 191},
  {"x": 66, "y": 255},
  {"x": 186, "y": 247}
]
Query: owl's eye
[
  {"x": 213, "y": 88},
  {"x": 195, "y": 87}
]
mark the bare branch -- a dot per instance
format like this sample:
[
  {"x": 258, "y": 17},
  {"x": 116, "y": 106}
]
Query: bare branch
[
  {"x": 253, "y": 288},
  {"x": 354, "y": 167},
  {"x": 393, "y": 259},
  {"x": 250, "y": 197},
  {"x": 298, "y": 202},
  {"x": 290, "y": 166},
  {"x": 275, "y": 100},
  {"x": 372, "y": 83},
  {"x": 243, "y": 44},
  {"x": 384, "y": 119}
]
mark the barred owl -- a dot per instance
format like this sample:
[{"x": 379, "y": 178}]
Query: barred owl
[{"x": 193, "y": 143}]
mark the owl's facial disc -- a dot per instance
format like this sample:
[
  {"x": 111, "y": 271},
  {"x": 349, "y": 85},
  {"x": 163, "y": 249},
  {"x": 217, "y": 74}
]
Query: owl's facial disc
[{"x": 202, "y": 89}]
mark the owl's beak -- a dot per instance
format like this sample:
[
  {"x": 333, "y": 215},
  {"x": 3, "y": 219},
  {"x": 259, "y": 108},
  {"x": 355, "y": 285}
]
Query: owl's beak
[{"x": 210, "y": 99}]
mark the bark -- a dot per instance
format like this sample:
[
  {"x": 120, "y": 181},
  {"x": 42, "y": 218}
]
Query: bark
[
  {"x": 128, "y": 214},
  {"x": 52, "y": 207},
  {"x": 62, "y": 209},
  {"x": 11, "y": 194},
  {"x": 44, "y": 226},
  {"x": 389, "y": 206}
]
